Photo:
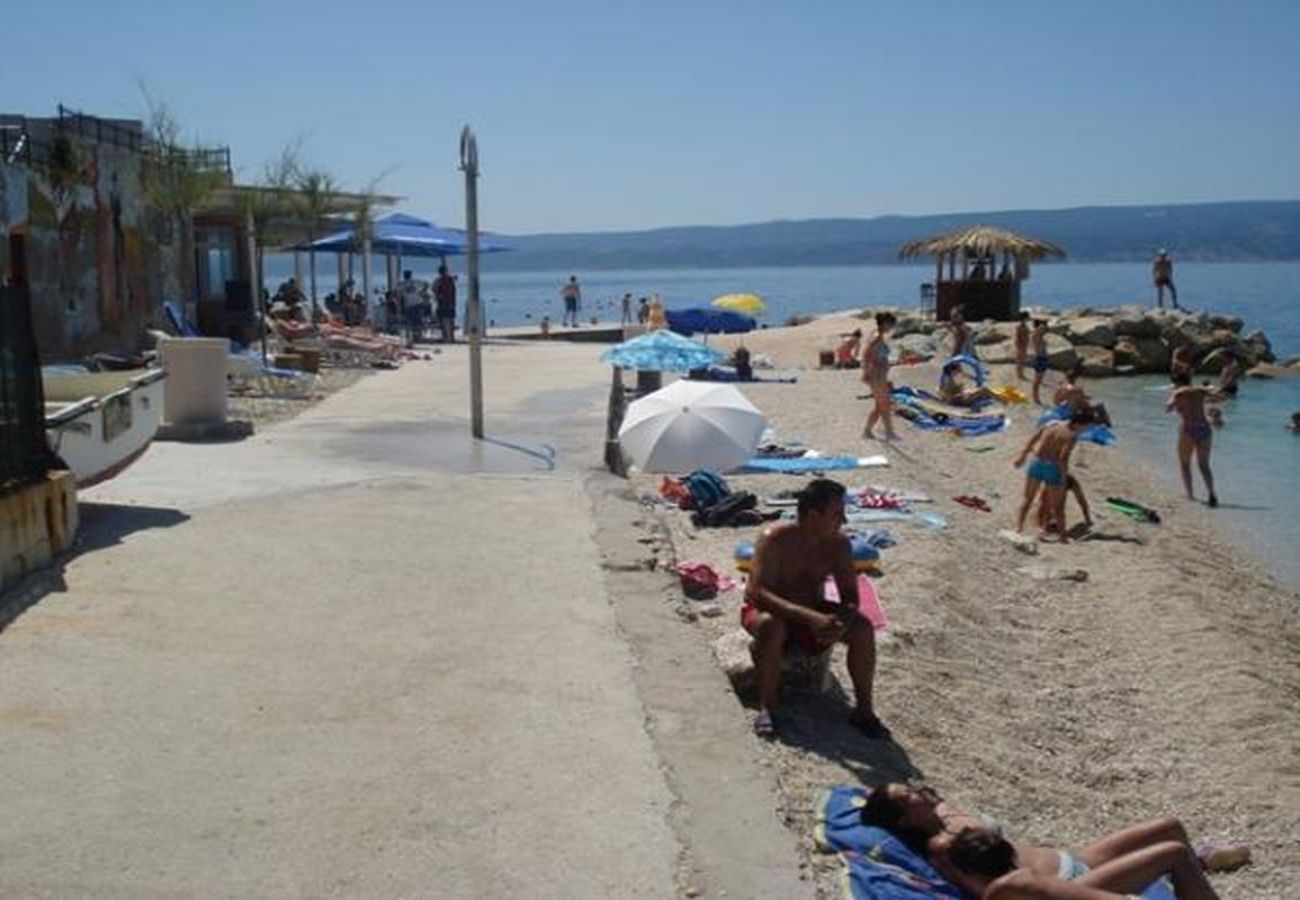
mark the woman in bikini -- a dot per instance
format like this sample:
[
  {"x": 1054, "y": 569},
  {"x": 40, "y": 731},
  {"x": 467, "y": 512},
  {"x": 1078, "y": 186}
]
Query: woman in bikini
[
  {"x": 875, "y": 373},
  {"x": 1195, "y": 434},
  {"x": 924, "y": 821}
]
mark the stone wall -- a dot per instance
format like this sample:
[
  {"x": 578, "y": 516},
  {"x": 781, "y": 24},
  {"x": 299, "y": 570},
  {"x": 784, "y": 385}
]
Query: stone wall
[{"x": 99, "y": 263}]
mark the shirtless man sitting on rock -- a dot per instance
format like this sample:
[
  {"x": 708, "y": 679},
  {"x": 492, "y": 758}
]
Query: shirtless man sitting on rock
[{"x": 784, "y": 603}]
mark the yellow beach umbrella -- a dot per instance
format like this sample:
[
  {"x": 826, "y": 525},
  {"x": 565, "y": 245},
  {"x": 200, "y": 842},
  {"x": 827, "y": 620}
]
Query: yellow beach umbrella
[{"x": 749, "y": 304}]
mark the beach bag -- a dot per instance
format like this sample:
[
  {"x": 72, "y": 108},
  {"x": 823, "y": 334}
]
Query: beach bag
[
  {"x": 699, "y": 580},
  {"x": 736, "y": 508},
  {"x": 706, "y": 487}
]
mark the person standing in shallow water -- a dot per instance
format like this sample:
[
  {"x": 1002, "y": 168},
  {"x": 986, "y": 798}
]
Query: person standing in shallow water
[
  {"x": 572, "y": 294},
  {"x": 1195, "y": 434},
  {"x": 1162, "y": 275}
]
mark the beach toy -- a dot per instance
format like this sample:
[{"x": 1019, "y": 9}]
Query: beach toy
[
  {"x": 1133, "y": 510},
  {"x": 1009, "y": 393},
  {"x": 866, "y": 558}
]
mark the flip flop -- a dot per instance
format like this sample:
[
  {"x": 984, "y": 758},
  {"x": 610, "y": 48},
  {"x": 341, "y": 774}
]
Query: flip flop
[
  {"x": 765, "y": 726},
  {"x": 1222, "y": 857}
]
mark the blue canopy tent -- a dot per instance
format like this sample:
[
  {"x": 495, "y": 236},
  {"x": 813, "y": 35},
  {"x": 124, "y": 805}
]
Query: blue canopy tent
[
  {"x": 398, "y": 235},
  {"x": 402, "y": 235},
  {"x": 708, "y": 321}
]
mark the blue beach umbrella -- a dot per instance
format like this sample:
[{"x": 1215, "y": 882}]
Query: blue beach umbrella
[
  {"x": 708, "y": 321},
  {"x": 662, "y": 351}
]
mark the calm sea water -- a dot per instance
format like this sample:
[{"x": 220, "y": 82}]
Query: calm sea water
[{"x": 1256, "y": 461}]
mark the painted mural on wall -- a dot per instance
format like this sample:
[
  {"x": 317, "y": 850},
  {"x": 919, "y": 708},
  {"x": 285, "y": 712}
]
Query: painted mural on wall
[{"x": 98, "y": 269}]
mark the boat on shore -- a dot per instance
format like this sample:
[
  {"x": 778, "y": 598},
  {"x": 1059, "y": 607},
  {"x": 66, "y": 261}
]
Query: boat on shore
[{"x": 101, "y": 422}]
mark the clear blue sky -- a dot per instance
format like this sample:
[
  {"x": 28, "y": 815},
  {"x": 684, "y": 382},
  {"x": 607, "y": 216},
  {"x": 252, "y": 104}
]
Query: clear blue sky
[{"x": 605, "y": 115}]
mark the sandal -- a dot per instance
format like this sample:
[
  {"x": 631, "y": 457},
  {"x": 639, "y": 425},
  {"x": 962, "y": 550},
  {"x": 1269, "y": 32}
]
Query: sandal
[{"x": 765, "y": 726}]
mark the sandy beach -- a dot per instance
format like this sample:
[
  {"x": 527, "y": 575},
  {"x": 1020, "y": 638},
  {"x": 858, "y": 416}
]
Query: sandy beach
[{"x": 1167, "y": 681}]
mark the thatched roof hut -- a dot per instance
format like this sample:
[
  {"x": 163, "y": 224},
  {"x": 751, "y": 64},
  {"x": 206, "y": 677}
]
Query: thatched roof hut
[
  {"x": 977, "y": 289},
  {"x": 980, "y": 241}
]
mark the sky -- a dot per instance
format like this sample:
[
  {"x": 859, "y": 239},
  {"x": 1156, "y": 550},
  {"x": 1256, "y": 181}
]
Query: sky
[{"x": 598, "y": 116}]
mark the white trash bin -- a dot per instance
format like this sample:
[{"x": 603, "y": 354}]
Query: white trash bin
[{"x": 196, "y": 380}]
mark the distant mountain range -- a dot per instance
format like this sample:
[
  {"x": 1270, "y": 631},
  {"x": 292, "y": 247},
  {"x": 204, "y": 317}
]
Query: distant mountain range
[{"x": 1234, "y": 231}]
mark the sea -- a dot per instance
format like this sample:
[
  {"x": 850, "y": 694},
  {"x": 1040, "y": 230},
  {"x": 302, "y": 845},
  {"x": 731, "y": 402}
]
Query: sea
[{"x": 1256, "y": 459}]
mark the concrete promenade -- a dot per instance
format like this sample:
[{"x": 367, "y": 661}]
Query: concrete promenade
[{"x": 353, "y": 656}]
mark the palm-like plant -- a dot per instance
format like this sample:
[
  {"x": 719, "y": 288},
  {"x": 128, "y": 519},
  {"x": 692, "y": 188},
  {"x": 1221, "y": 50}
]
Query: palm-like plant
[
  {"x": 175, "y": 180},
  {"x": 316, "y": 192}
]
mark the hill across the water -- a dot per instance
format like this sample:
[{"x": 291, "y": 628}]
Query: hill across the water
[{"x": 1229, "y": 231}]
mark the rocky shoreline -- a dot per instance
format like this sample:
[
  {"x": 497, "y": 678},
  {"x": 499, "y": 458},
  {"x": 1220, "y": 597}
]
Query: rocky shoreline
[{"x": 1125, "y": 340}]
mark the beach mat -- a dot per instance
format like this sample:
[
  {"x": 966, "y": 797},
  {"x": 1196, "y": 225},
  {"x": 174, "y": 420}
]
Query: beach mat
[
  {"x": 806, "y": 464},
  {"x": 879, "y": 865}
]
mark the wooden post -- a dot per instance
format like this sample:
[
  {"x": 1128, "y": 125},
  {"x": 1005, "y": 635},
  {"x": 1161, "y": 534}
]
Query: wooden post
[{"x": 613, "y": 421}]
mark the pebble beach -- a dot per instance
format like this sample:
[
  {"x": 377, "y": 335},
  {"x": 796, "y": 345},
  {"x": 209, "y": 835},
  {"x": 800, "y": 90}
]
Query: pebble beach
[{"x": 1148, "y": 668}]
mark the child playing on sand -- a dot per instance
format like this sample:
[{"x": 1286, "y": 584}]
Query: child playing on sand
[
  {"x": 1040, "y": 356},
  {"x": 1022, "y": 345},
  {"x": 1194, "y": 432},
  {"x": 1050, "y": 469}
]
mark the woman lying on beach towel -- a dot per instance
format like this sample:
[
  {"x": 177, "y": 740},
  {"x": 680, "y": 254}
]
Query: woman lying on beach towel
[
  {"x": 986, "y": 866},
  {"x": 921, "y": 818}
]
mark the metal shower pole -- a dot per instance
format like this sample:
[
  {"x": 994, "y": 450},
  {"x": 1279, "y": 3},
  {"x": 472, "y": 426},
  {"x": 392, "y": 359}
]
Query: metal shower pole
[{"x": 473, "y": 313}]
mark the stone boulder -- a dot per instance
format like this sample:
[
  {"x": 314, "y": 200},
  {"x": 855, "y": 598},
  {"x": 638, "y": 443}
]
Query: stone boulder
[
  {"x": 1257, "y": 348},
  {"x": 993, "y": 333},
  {"x": 1227, "y": 323},
  {"x": 1061, "y": 354},
  {"x": 919, "y": 345},
  {"x": 1272, "y": 370},
  {"x": 1135, "y": 324},
  {"x": 909, "y": 325},
  {"x": 1093, "y": 331},
  {"x": 1096, "y": 362},
  {"x": 1144, "y": 354},
  {"x": 999, "y": 353}
]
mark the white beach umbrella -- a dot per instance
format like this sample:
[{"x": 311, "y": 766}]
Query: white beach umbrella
[{"x": 691, "y": 425}]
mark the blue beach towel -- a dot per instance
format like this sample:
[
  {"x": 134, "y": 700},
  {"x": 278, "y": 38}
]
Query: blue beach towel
[
  {"x": 804, "y": 464},
  {"x": 926, "y": 411},
  {"x": 879, "y": 865}
]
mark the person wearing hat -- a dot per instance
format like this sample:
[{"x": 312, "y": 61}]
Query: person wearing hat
[{"x": 1162, "y": 273}]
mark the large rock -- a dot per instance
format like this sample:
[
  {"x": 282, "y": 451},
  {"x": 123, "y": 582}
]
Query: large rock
[
  {"x": 919, "y": 345},
  {"x": 1229, "y": 323},
  {"x": 1135, "y": 324},
  {"x": 1272, "y": 370},
  {"x": 1093, "y": 331},
  {"x": 1144, "y": 354},
  {"x": 1061, "y": 354},
  {"x": 992, "y": 333},
  {"x": 1096, "y": 362},
  {"x": 1258, "y": 348},
  {"x": 1002, "y": 352},
  {"x": 909, "y": 325}
]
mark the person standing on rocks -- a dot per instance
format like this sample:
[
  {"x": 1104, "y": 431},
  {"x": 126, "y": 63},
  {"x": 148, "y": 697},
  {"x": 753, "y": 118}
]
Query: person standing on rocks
[
  {"x": 1195, "y": 435},
  {"x": 1022, "y": 345},
  {"x": 1162, "y": 274},
  {"x": 1041, "y": 361}
]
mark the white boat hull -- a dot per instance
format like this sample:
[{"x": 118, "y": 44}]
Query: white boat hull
[{"x": 101, "y": 422}]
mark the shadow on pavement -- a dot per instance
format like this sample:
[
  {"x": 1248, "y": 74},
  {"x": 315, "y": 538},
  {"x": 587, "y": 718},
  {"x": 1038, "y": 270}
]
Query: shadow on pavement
[{"x": 101, "y": 525}]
